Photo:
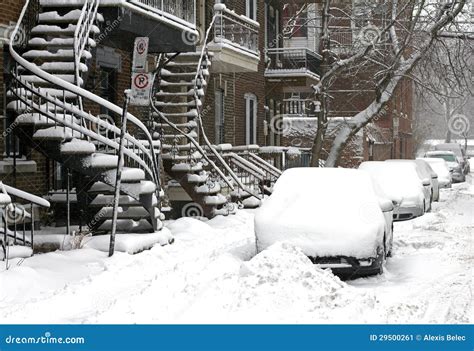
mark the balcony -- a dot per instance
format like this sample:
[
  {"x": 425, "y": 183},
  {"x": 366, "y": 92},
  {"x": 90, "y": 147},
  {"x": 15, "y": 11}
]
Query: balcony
[
  {"x": 235, "y": 42},
  {"x": 168, "y": 24},
  {"x": 299, "y": 65},
  {"x": 298, "y": 107}
]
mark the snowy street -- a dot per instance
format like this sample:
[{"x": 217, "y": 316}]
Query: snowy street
[{"x": 211, "y": 275}]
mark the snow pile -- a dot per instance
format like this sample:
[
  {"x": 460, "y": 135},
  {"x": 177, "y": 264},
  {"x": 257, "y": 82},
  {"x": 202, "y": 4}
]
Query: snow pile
[
  {"x": 323, "y": 213},
  {"x": 16, "y": 252},
  {"x": 281, "y": 284},
  {"x": 129, "y": 243}
]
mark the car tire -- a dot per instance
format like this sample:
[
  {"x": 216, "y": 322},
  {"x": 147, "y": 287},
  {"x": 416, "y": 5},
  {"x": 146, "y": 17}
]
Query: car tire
[{"x": 380, "y": 259}]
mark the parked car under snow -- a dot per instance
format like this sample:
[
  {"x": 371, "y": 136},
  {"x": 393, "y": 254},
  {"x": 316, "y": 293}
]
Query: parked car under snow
[
  {"x": 441, "y": 168},
  {"x": 452, "y": 161},
  {"x": 333, "y": 215},
  {"x": 401, "y": 183}
]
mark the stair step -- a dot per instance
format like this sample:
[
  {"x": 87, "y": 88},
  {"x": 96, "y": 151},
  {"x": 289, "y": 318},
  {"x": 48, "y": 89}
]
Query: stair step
[
  {"x": 178, "y": 104},
  {"x": 129, "y": 175},
  {"x": 37, "y": 80},
  {"x": 215, "y": 200},
  {"x": 201, "y": 83},
  {"x": 50, "y": 91},
  {"x": 144, "y": 187},
  {"x": 101, "y": 161},
  {"x": 205, "y": 189},
  {"x": 197, "y": 178},
  {"x": 108, "y": 200},
  {"x": 60, "y": 54},
  {"x": 200, "y": 92},
  {"x": 192, "y": 114},
  {"x": 133, "y": 213},
  {"x": 189, "y": 63},
  {"x": 190, "y": 124},
  {"x": 167, "y": 73},
  {"x": 78, "y": 147},
  {"x": 191, "y": 134},
  {"x": 70, "y": 17},
  {"x": 186, "y": 168},
  {"x": 57, "y": 42},
  {"x": 60, "y": 67},
  {"x": 54, "y": 29},
  {"x": 39, "y": 120},
  {"x": 21, "y": 107},
  {"x": 56, "y": 133}
]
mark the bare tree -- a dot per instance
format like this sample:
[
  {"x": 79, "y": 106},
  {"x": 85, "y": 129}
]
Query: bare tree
[{"x": 388, "y": 40}]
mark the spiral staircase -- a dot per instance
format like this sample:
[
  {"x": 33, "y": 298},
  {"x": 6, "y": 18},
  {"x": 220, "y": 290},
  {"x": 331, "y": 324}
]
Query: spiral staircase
[
  {"x": 47, "y": 96},
  {"x": 52, "y": 107}
]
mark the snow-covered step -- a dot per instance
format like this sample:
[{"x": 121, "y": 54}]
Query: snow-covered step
[
  {"x": 191, "y": 64},
  {"x": 50, "y": 91},
  {"x": 215, "y": 200},
  {"x": 133, "y": 189},
  {"x": 128, "y": 226},
  {"x": 133, "y": 213},
  {"x": 107, "y": 200},
  {"x": 200, "y": 83},
  {"x": 192, "y": 114},
  {"x": 70, "y": 17},
  {"x": 200, "y": 93},
  {"x": 207, "y": 189},
  {"x": 197, "y": 178},
  {"x": 57, "y": 42},
  {"x": 21, "y": 107},
  {"x": 187, "y": 168},
  {"x": 40, "y": 120},
  {"x": 78, "y": 147},
  {"x": 129, "y": 175},
  {"x": 56, "y": 133},
  {"x": 62, "y": 67},
  {"x": 178, "y": 104},
  {"x": 37, "y": 80},
  {"x": 190, "y": 124},
  {"x": 57, "y": 30},
  {"x": 58, "y": 55},
  {"x": 191, "y": 134},
  {"x": 167, "y": 73},
  {"x": 102, "y": 161}
]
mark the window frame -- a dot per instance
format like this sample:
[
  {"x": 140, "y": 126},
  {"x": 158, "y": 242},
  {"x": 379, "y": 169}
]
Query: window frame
[{"x": 251, "y": 119}]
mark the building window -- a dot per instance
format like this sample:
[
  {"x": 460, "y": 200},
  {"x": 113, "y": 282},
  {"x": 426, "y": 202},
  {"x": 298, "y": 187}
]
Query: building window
[
  {"x": 220, "y": 116},
  {"x": 251, "y": 118},
  {"x": 296, "y": 21},
  {"x": 251, "y": 9}
]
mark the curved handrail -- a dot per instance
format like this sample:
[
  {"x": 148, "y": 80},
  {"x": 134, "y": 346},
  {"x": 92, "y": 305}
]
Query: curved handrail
[{"x": 80, "y": 92}]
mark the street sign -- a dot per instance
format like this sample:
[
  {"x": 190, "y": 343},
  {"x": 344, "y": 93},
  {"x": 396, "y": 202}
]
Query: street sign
[
  {"x": 141, "y": 89},
  {"x": 140, "y": 54}
]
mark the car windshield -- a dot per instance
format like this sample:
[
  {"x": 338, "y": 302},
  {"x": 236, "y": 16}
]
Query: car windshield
[{"x": 447, "y": 158}]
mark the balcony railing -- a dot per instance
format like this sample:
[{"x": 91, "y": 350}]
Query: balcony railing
[
  {"x": 182, "y": 9},
  {"x": 235, "y": 30},
  {"x": 293, "y": 61},
  {"x": 298, "y": 107}
]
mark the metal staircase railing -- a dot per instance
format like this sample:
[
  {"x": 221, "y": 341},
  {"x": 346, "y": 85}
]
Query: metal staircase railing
[{"x": 64, "y": 113}]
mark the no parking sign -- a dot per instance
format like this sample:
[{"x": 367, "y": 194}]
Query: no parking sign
[{"x": 141, "y": 89}]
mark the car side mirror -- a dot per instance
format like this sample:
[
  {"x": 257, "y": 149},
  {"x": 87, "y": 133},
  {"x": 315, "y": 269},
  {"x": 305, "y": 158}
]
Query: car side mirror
[
  {"x": 386, "y": 205},
  {"x": 426, "y": 182}
]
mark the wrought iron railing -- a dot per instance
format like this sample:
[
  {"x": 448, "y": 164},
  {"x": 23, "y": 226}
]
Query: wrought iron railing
[
  {"x": 235, "y": 30},
  {"x": 183, "y": 9},
  {"x": 293, "y": 60}
]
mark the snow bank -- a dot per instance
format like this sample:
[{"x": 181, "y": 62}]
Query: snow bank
[
  {"x": 281, "y": 283},
  {"x": 129, "y": 243},
  {"x": 326, "y": 212},
  {"x": 16, "y": 252}
]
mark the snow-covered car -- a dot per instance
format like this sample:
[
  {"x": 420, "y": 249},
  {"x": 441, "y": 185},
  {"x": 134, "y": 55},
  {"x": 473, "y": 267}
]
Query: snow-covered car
[
  {"x": 425, "y": 172},
  {"x": 401, "y": 183},
  {"x": 459, "y": 152},
  {"x": 440, "y": 166},
  {"x": 453, "y": 163},
  {"x": 333, "y": 214}
]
